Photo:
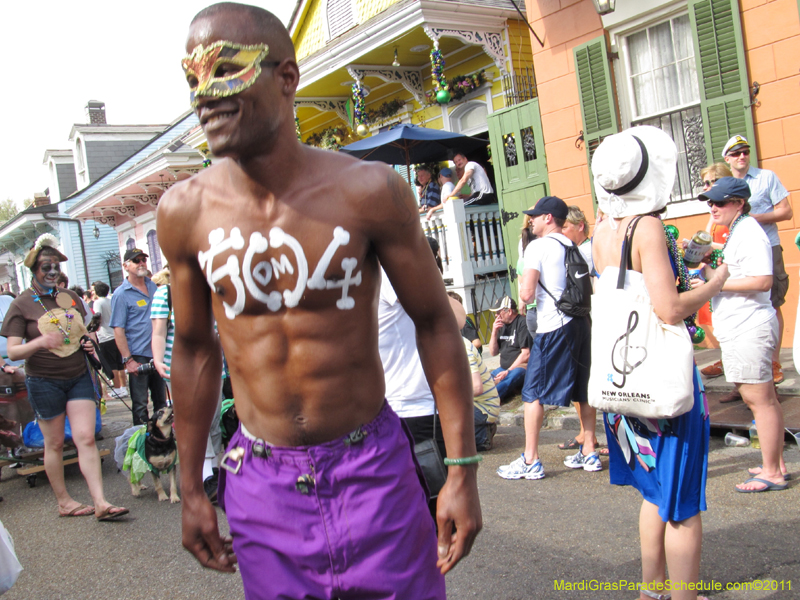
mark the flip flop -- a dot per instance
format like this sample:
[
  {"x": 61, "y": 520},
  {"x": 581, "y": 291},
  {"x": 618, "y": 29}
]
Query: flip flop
[
  {"x": 786, "y": 476},
  {"x": 602, "y": 451},
  {"x": 771, "y": 487},
  {"x": 82, "y": 510},
  {"x": 569, "y": 445},
  {"x": 107, "y": 515}
]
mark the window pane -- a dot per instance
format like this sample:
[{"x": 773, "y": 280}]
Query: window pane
[
  {"x": 687, "y": 76},
  {"x": 661, "y": 45},
  {"x": 644, "y": 94},
  {"x": 682, "y": 37},
  {"x": 667, "y": 90},
  {"x": 639, "y": 52}
]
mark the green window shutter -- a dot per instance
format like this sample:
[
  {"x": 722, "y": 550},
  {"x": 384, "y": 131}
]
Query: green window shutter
[
  {"x": 722, "y": 74},
  {"x": 596, "y": 91}
]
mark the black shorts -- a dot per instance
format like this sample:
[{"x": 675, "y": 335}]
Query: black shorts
[{"x": 110, "y": 358}]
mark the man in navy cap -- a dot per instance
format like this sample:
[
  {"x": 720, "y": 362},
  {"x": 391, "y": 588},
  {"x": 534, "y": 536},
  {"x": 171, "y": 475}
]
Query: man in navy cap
[
  {"x": 133, "y": 332},
  {"x": 769, "y": 202},
  {"x": 558, "y": 367}
]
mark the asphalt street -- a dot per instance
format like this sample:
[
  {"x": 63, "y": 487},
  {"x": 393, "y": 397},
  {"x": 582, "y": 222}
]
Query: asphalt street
[{"x": 570, "y": 527}]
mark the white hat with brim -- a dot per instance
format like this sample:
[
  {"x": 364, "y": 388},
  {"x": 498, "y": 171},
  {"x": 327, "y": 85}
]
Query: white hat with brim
[{"x": 634, "y": 171}]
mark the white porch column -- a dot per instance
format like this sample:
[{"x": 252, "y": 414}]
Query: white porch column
[{"x": 456, "y": 241}]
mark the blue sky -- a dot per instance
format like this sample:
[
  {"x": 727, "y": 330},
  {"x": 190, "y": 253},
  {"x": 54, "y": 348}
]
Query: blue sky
[{"x": 68, "y": 52}]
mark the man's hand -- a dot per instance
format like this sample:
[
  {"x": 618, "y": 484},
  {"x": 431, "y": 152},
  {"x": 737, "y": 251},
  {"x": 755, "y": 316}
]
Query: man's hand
[
  {"x": 497, "y": 325},
  {"x": 500, "y": 376},
  {"x": 458, "y": 505},
  {"x": 88, "y": 347},
  {"x": 201, "y": 534},
  {"x": 162, "y": 369},
  {"x": 131, "y": 366}
]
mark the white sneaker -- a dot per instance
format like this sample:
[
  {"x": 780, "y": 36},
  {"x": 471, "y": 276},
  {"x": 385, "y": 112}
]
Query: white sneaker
[
  {"x": 519, "y": 469},
  {"x": 121, "y": 392},
  {"x": 587, "y": 462}
]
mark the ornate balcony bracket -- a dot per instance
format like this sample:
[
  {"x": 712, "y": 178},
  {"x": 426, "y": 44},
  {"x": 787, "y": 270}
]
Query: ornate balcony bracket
[
  {"x": 490, "y": 41},
  {"x": 409, "y": 77},
  {"x": 128, "y": 210},
  {"x": 109, "y": 220},
  {"x": 336, "y": 105},
  {"x": 145, "y": 199}
]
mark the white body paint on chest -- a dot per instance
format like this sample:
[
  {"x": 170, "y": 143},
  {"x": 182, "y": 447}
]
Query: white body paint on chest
[{"x": 262, "y": 273}]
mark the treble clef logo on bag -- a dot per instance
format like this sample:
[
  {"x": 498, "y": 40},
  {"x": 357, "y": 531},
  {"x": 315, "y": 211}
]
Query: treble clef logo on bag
[{"x": 625, "y": 350}]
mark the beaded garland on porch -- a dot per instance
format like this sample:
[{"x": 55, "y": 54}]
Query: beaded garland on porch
[
  {"x": 359, "y": 109},
  {"x": 437, "y": 74}
]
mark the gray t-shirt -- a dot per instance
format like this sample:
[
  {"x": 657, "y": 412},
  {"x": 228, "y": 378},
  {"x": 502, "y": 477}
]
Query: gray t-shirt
[{"x": 102, "y": 306}]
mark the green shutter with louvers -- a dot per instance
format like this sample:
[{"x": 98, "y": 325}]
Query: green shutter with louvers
[
  {"x": 596, "y": 91},
  {"x": 722, "y": 74}
]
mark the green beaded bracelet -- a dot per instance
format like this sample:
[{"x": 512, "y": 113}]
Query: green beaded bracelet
[{"x": 467, "y": 460}]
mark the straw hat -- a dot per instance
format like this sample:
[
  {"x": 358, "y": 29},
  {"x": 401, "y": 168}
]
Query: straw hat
[
  {"x": 634, "y": 171},
  {"x": 43, "y": 240}
]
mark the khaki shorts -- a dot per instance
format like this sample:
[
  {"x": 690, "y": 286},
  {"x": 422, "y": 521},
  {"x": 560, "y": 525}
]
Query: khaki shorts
[
  {"x": 748, "y": 359},
  {"x": 780, "y": 279}
]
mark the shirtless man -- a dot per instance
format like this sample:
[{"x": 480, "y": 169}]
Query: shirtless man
[{"x": 280, "y": 243}]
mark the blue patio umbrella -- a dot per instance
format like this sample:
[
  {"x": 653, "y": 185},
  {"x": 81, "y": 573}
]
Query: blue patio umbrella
[{"x": 411, "y": 144}]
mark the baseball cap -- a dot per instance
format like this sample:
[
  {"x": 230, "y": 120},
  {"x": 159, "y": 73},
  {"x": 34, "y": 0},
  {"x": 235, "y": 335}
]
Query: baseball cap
[
  {"x": 446, "y": 172},
  {"x": 727, "y": 188},
  {"x": 549, "y": 205},
  {"x": 133, "y": 253},
  {"x": 504, "y": 303},
  {"x": 737, "y": 142}
]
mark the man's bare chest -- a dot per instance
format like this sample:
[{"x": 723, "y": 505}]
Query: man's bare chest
[{"x": 257, "y": 267}]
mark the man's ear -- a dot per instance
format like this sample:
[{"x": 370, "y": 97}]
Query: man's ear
[{"x": 289, "y": 73}]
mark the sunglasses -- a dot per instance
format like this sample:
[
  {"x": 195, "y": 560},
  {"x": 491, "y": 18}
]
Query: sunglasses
[
  {"x": 708, "y": 184},
  {"x": 738, "y": 153},
  {"x": 47, "y": 267},
  {"x": 139, "y": 260},
  {"x": 718, "y": 203}
]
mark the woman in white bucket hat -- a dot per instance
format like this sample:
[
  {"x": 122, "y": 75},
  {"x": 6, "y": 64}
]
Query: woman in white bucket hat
[{"x": 666, "y": 460}]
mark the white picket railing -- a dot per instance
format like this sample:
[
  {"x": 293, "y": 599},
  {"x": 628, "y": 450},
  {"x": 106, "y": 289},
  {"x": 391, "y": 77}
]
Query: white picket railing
[{"x": 470, "y": 242}]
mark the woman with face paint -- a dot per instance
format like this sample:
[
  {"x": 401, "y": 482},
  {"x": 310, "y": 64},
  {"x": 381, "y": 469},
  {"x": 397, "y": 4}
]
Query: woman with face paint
[{"x": 50, "y": 320}]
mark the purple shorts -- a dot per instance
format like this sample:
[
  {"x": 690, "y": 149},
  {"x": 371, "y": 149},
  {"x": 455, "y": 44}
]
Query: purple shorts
[{"x": 345, "y": 519}]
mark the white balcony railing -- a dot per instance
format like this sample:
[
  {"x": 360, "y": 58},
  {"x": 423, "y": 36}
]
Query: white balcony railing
[{"x": 470, "y": 241}]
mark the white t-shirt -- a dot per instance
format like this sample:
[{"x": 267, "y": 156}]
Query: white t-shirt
[
  {"x": 748, "y": 254},
  {"x": 479, "y": 182},
  {"x": 447, "y": 190},
  {"x": 406, "y": 387},
  {"x": 585, "y": 249},
  {"x": 547, "y": 256},
  {"x": 103, "y": 306}
]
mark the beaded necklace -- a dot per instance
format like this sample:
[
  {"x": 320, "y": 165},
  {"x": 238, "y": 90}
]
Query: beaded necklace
[
  {"x": 53, "y": 318},
  {"x": 697, "y": 333},
  {"x": 719, "y": 254}
]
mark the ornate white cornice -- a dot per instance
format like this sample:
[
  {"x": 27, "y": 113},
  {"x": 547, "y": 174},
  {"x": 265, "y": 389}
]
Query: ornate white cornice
[
  {"x": 409, "y": 77},
  {"x": 490, "y": 41},
  {"x": 337, "y": 105}
]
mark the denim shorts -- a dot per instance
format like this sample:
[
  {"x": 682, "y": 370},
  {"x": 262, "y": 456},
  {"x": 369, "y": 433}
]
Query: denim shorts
[{"x": 49, "y": 397}]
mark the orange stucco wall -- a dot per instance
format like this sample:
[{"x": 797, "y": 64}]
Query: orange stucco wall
[
  {"x": 562, "y": 25},
  {"x": 772, "y": 42}
]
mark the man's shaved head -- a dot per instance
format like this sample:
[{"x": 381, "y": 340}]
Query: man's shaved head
[{"x": 261, "y": 27}]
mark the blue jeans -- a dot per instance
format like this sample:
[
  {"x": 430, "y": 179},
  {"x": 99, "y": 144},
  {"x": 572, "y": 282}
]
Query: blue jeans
[{"x": 512, "y": 384}]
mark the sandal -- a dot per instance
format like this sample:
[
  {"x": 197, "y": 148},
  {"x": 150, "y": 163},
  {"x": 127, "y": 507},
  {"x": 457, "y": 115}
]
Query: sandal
[
  {"x": 82, "y": 510},
  {"x": 569, "y": 445},
  {"x": 110, "y": 514},
  {"x": 602, "y": 451},
  {"x": 755, "y": 471}
]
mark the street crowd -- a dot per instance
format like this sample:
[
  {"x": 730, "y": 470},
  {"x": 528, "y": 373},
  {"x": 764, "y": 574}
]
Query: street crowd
[{"x": 319, "y": 482}]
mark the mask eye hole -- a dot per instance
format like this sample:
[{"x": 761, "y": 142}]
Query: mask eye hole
[
  {"x": 226, "y": 69},
  {"x": 192, "y": 81}
]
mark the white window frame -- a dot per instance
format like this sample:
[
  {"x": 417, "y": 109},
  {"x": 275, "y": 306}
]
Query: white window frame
[
  {"x": 648, "y": 16},
  {"x": 451, "y": 116}
]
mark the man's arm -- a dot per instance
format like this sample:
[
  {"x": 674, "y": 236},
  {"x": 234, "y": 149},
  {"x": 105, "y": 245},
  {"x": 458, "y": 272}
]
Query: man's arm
[
  {"x": 522, "y": 359},
  {"x": 399, "y": 242},
  {"x": 494, "y": 344},
  {"x": 782, "y": 211},
  {"x": 122, "y": 345},
  {"x": 159, "y": 346},
  {"x": 462, "y": 182},
  {"x": 527, "y": 288},
  {"x": 197, "y": 364}
]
